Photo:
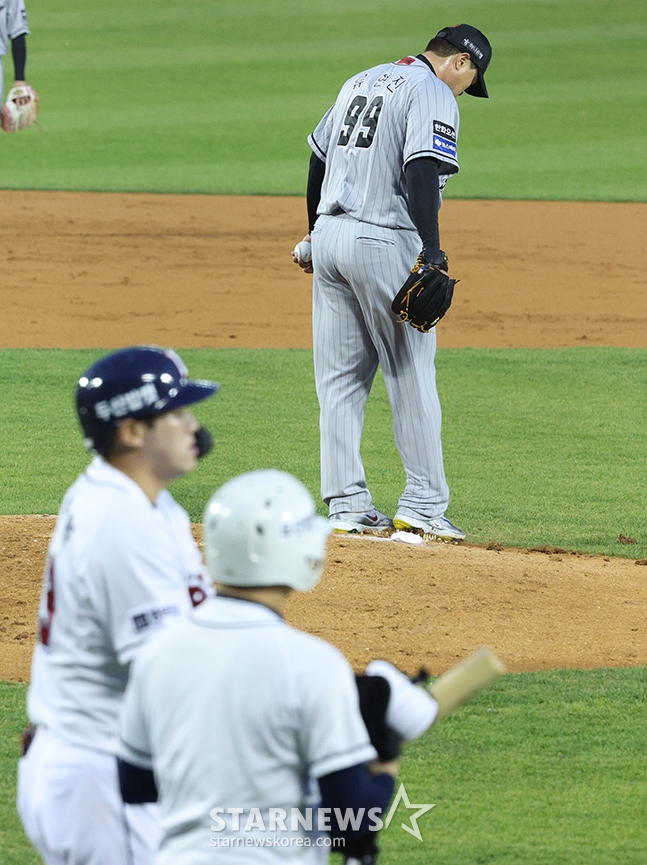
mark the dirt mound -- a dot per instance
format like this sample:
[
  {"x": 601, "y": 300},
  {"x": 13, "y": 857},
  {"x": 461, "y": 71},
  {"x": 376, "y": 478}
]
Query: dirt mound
[
  {"x": 416, "y": 606},
  {"x": 113, "y": 270}
]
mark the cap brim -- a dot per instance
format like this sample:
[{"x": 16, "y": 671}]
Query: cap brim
[
  {"x": 478, "y": 88},
  {"x": 194, "y": 390}
]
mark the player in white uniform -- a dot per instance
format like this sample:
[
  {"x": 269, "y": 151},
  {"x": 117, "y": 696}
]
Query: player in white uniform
[
  {"x": 232, "y": 714},
  {"x": 121, "y": 563},
  {"x": 381, "y": 157},
  {"x": 13, "y": 25}
]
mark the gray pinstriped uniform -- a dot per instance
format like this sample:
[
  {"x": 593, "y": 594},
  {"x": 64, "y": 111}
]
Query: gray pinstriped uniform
[
  {"x": 13, "y": 23},
  {"x": 364, "y": 244}
]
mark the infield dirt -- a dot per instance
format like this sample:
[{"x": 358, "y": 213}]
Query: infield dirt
[{"x": 86, "y": 270}]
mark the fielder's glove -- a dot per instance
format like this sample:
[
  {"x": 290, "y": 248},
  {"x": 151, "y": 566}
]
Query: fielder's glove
[
  {"x": 426, "y": 295},
  {"x": 20, "y": 109}
]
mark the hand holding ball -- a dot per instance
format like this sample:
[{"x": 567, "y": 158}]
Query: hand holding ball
[{"x": 303, "y": 252}]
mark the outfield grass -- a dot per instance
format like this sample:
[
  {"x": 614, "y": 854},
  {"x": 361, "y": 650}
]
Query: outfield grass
[
  {"x": 542, "y": 769},
  {"x": 541, "y": 446},
  {"x": 215, "y": 96}
]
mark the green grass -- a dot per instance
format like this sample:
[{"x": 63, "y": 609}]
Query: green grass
[
  {"x": 16, "y": 849},
  {"x": 541, "y": 769},
  {"x": 215, "y": 96},
  {"x": 541, "y": 446}
]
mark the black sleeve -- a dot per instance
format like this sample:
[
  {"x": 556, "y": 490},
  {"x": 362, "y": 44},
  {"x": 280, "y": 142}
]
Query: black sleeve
[
  {"x": 354, "y": 789},
  {"x": 19, "y": 53},
  {"x": 423, "y": 195},
  {"x": 136, "y": 785},
  {"x": 316, "y": 173}
]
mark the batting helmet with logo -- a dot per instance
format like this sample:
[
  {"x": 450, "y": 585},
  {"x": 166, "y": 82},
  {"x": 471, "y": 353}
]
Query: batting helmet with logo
[
  {"x": 138, "y": 382},
  {"x": 261, "y": 529}
]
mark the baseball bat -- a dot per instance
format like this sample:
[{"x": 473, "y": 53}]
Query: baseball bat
[{"x": 465, "y": 680}]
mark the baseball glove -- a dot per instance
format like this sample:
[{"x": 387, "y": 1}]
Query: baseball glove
[
  {"x": 20, "y": 109},
  {"x": 426, "y": 295}
]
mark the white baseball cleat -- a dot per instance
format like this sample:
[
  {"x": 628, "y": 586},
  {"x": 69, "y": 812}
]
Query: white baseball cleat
[
  {"x": 361, "y": 521},
  {"x": 437, "y": 528}
]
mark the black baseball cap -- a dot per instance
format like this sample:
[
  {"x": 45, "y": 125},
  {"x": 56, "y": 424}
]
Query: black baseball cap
[{"x": 472, "y": 41}]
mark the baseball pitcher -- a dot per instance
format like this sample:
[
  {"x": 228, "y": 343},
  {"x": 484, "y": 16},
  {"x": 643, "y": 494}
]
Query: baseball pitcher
[{"x": 381, "y": 157}]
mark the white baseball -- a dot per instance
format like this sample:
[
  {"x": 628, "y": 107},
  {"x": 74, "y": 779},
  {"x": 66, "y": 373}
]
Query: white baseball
[{"x": 303, "y": 251}]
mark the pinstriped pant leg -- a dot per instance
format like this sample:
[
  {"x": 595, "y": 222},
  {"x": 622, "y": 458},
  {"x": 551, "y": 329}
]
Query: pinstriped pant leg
[
  {"x": 382, "y": 260},
  {"x": 345, "y": 362}
]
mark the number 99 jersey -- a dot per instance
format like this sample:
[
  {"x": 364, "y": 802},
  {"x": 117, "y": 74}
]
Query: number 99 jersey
[{"x": 382, "y": 119}]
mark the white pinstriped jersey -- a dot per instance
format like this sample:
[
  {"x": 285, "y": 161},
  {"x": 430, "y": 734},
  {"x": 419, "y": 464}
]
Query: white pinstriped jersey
[
  {"x": 382, "y": 119},
  {"x": 13, "y": 22},
  {"x": 118, "y": 568}
]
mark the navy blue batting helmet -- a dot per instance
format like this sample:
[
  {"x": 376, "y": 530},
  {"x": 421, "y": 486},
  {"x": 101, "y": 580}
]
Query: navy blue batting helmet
[{"x": 138, "y": 382}]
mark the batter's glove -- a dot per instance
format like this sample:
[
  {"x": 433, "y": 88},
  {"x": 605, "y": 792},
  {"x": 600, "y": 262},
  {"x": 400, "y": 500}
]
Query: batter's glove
[
  {"x": 393, "y": 707},
  {"x": 427, "y": 294},
  {"x": 374, "y": 695},
  {"x": 20, "y": 109},
  {"x": 362, "y": 852}
]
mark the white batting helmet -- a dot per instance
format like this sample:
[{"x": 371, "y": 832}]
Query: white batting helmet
[{"x": 261, "y": 529}]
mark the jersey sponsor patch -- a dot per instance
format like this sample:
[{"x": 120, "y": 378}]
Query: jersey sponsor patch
[
  {"x": 445, "y": 130},
  {"x": 197, "y": 589},
  {"x": 442, "y": 145},
  {"x": 444, "y": 139},
  {"x": 151, "y": 616},
  {"x": 406, "y": 61}
]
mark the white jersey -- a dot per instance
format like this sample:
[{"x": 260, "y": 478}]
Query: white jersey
[
  {"x": 118, "y": 568},
  {"x": 234, "y": 709},
  {"x": 382, "y": 119},
  {"x": 13, "y": 22}
]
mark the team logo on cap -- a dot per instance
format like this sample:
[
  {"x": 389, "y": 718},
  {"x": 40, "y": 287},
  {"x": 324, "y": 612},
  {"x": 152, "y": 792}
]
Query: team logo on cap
[
  {"x": 472, "y": 48},
  {"x": 125, "y": 403}
]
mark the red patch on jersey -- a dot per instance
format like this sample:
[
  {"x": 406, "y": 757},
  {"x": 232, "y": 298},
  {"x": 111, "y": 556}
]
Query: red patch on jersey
[
  {"x": 197, "y": 595},
  {"x": 406, "y": 61}
]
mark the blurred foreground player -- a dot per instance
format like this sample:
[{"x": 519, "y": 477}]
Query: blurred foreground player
[
  {"x": 241, "y": 721},
  {"x": 121, "y": 564}
]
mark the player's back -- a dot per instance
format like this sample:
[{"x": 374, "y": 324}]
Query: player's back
[
  {"x": 97, "y": 600},
  {"x": 231, "y": 699},
  {"x": 382, "y": 118}
]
